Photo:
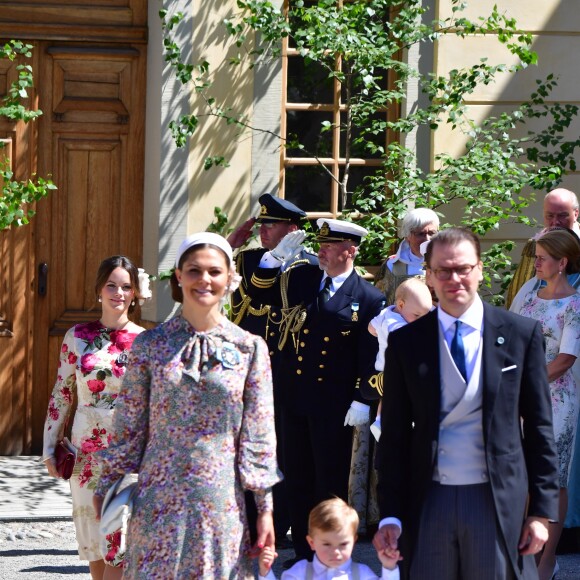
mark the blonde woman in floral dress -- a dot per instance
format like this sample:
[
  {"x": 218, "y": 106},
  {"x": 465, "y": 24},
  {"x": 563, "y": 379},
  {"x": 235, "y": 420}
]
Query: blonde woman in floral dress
[
  {"x": 93, "y": 360},
  {"x": 195, "y": 420},
  {"x": 556, "y": 305}
]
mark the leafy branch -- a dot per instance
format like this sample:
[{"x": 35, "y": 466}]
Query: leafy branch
[
  {"x": 360, "y": 45},
  {"x": 18, "y": 196}
]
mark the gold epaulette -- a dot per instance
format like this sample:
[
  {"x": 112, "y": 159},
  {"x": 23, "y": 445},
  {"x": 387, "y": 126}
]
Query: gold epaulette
[
  {"x": 263, "y": 282},
  {"x": 376, "y": 382}
]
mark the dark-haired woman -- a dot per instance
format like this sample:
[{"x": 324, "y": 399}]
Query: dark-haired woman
[
  {"x": 195, "y": 420},
  {"x": 93, "y": 358},
  {"x": 557, "y": 307}
]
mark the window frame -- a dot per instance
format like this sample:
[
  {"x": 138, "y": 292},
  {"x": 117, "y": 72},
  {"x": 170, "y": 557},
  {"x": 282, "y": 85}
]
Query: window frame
[{"x": 335, "y": 163}]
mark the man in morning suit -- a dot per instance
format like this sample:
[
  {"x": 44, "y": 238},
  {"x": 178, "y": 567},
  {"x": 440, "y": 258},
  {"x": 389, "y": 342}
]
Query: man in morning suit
[
  {"x": 468, "y": 463},
  {"x": 327, "y": 353},
  {"x": 277, "y": 218}
]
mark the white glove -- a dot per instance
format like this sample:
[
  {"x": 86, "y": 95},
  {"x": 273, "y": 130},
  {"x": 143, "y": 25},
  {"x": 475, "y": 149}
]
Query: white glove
[
  {"x": 289, "y": 246},
  {"x": 357, "y": 415},
  {"x": 376, "y": 428}
]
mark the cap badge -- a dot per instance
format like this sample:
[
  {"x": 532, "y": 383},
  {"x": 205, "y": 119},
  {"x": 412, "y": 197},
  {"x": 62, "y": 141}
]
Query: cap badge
[
  {"x": 263, "y": 210},
  {"x": 324, "y": 230}
]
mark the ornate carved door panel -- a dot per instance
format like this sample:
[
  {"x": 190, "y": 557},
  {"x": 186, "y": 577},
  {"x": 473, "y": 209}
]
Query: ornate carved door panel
[{"x": 90, "y": 77}]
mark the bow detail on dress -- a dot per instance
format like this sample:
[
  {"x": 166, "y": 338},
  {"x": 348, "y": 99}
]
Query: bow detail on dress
[{"x": 198, "y": 350}]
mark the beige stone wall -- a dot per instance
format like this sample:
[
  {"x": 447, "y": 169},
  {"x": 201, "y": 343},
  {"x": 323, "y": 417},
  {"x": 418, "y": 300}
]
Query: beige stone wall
[
  {"x": 253, "y": 155},
  {"x": 555, "y": 26},
  {"x": 232, "y": 86}
]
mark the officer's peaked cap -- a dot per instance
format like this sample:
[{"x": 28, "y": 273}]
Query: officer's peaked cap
[
  {"x": 276, "y": 210},
  {"x": 330, "y": 230}
]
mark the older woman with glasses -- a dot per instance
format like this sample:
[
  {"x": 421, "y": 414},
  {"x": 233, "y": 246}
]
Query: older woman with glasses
[{"x": 419, "y": 225}]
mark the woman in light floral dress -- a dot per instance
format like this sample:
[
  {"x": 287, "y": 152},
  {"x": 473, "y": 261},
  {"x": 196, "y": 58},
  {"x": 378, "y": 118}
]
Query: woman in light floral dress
[
  {"x": 93, "y": 358},
  {"x": 195, "y": 419},
  {"x": 556, "y": 305}
]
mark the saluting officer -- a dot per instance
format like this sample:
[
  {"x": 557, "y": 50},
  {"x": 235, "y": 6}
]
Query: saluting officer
[
  {"x": 277, "y": 218},
  {"x": 327, "y": 351}
]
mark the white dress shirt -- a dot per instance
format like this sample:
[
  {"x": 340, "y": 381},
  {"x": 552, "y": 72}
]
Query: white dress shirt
[
  {"x": 471, "y": 332},
  {"x": 336, "y": 283},
  {"x": 322, "y": 572}
]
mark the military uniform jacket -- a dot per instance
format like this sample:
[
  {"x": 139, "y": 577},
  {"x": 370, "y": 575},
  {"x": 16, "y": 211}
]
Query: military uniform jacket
[
  {"x": 327, "y": 351},
  {"x": 253, "y": 314}
]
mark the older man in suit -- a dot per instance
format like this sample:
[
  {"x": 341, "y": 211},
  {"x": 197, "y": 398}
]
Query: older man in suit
[
  {"x": 467, "y": 460},
  {"x": 327, "y": 353}
]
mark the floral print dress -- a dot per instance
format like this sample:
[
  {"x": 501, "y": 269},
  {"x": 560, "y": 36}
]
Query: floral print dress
[
  {"x": 560, "y": 320},
  {"x": 195, "y": 419},
  {"x": 92, "y": 363}
]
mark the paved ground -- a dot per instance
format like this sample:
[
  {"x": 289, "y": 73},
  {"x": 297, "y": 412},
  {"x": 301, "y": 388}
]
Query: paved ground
[{"x": 37, "y": 540}]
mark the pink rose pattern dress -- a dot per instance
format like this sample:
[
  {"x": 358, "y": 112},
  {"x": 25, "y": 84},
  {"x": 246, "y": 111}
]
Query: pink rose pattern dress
[
  {"x": 195, "y": 419},
  {"x": 560, "y": 320},
  {"x": 92, "y": 363}
]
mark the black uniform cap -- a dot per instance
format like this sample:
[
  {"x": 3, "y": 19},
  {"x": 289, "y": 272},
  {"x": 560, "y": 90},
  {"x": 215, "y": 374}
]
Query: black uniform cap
[{"x": 275, "y": 210}]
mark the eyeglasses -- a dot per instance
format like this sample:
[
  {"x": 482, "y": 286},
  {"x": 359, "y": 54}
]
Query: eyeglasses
[
  {"x": 420, "y": 234},
  {"x": 560, "y": 216},
  {"x": 446, "y": 273}
]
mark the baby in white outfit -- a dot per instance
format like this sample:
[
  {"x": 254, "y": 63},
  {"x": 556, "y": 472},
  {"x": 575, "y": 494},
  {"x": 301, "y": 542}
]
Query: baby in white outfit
[{"x": 412, "y": 300}]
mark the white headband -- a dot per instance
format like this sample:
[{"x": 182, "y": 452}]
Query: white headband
[{"x": 204, "y": 238}]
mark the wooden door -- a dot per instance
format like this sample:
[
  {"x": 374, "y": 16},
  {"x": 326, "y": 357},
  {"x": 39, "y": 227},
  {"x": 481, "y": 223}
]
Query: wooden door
[
  {"x": 91, "y": 88},
  {"x": 17, "y": 145}
]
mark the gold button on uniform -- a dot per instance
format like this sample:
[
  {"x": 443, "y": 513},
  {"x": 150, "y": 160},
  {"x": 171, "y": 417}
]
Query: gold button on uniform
[
  {"x": 301, "y": 344},
  {"x": 320, "y": 366},
  {"x": 326, "y": 339},
  {"x": 298, "y": 372},
  {"x": 306, "y": 330},
  {"x": 320, "y": 379},
  {"x": 323, "y": 352},
  {"x": 300, "y": 358}
]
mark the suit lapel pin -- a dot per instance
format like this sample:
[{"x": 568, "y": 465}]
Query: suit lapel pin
[
  {"x": 354, "y": 308},
  {"x": 500, "y": 340}
]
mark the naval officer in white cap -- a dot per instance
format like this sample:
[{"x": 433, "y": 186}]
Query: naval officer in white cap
[{"x": 326, "y": 355}]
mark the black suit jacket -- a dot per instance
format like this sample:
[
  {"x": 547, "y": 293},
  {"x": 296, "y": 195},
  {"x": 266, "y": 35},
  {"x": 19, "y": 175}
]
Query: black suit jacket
[
  {"x": 517, "y": 423},
  {"x": 323, "y": 363}
]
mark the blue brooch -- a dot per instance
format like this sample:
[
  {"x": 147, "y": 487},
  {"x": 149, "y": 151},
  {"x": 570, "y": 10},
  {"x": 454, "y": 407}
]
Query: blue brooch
[{"x": 228, "y": 355}]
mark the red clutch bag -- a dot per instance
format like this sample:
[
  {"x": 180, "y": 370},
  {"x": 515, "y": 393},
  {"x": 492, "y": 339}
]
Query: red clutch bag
[{"x": 65, "y": 456}]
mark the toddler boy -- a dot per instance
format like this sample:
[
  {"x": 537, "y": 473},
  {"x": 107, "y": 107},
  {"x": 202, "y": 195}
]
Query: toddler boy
[{"x": 332, "y": 527}]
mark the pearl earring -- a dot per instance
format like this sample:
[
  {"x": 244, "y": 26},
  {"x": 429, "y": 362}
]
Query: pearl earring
[
  {"x": 179, "y": 284},
  {"x": 133, "y": 303},
  {"x": 100, "y": 299}
]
